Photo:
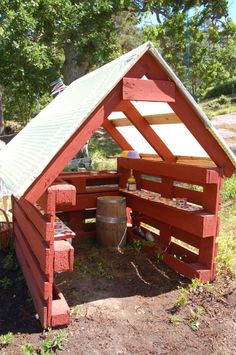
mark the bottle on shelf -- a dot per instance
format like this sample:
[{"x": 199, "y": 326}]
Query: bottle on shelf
[{"x": 131, "y": 183}]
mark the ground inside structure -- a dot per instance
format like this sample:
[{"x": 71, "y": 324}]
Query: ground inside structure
[{"x": 125, "y": 302}]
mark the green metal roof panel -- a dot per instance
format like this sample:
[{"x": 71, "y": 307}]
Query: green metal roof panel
[{"x": 28, "y": 154}]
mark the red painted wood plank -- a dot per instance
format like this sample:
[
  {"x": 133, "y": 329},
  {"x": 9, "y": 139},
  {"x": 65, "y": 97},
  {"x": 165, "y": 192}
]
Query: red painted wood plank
[
  {"x": 200, "y": 224},
  {"x": 37, "y": 275},
  {"x": 39, "y": 303},
  {"x": 180, "y": 172},
  {"x": 148, "y": 133},
  {"x": 39, "y": 247},
  {"x": 88, "y": 200},
  {"x": 74, "y": 144},
  {"x": 183, "y": 253},
  {"x": 193, "y": 196},
  {"x": 185, "y": 269},
  {"x": 63, "y": 256},
  {"x": 185, "y": 237},
  {"x": 60, "y": 310},
  {"x": 65, "y": 194},
  {"x": 47, "y": 202},
  {"x": 148, "y": 90},
  {"x": 116, "y": 135},
  {"x": 44, "y": 227}
]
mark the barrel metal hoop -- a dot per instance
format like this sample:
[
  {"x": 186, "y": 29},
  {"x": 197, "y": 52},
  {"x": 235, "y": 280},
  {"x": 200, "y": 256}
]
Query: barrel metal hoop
[
  {"x": 106, "y": 219},
  {"x": 112, "y": 201}
]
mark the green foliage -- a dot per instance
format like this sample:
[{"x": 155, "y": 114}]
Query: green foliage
[
  {"x": 136, "y": 244},
  {"x": 213, "y": 107},
  {"x": 78, "y": 313},
  {"x": 195, "y": 318},
  {"x": 95, "y": 267},
  {"x": 6, "y": 282},
  {"x": 28, "y": 349},
  {"x": 195, "y": 283},
  {"x": 35, "y": 49},
  {"x": 159, "y": 255},
  {"x": 182, "y": 298},
  {"x": 175, "y": 320},
  {"x": 229, "y": 189},
  {"x": 226, "y": 259},
  {"x": 206, "y": 34},
  {"x": 9, "y": 262},
  {"x": 51, "y": 344},
  {"x": 6, "y": 339},
  {"x": 225, "y": 88}
]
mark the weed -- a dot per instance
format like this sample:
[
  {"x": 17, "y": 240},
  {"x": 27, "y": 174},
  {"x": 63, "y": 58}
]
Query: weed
[
  {"x": 78, "y": 264},
  {"x": 28, "y": 349},
  {"x": 195, "y": 315},
  {"x": 6, "y": 282},
  {"x": 78, "y": 312},
  {"x": 182, "y": 298},
  {"x": 8, "y": 262},
  {"x": 159, "y": 255},
  {"x": 94, "y": 256},
  {"x": 136, "y": 244},
  {"x": 50, "y": 345},
  {"x": 6, "y": 340},
  {"x": 175, "y": 320},
  {"x": 196, "y": 283}
]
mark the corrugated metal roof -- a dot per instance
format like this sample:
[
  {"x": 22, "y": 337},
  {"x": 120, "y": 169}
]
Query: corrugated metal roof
[{"x": 29, "y": 153}]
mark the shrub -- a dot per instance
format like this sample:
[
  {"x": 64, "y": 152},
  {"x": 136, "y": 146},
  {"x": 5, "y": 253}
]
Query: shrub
[{"x": 225, "y": 88}]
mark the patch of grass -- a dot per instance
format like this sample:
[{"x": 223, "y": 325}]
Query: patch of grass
[
  {"x": 226, "y": 259},
  {"x": 229, "y": 189},
  {"x": 218, "y": 106},
  {"x": 6, "y": 340}
]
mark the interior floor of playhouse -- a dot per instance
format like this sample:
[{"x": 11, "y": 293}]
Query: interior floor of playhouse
[{"x": 124, "y": 302}]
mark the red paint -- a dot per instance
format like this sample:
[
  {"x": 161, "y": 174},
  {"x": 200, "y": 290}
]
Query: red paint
[{"x": 148, "y": 90}]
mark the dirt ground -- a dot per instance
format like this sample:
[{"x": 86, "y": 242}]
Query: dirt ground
[
  {"x": 226, "y": 126},
  {"x": 126, "y": 303}
]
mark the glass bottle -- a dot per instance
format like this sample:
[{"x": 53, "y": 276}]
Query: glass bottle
[{"x": 131, "y": 184}]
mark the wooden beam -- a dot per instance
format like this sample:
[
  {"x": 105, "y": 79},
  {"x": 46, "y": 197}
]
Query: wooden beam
[
  {"x": 73, "y": 145},
  {"x": 159, "y": 118},
  {"x": 115, "y": 134},
  {"x": 148, "y": 90},
  {"x": 191, "y": 174},
  {"x": 148, "y": 133}
]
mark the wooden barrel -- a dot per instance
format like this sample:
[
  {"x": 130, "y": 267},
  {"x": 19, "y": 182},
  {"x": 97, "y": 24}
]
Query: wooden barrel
[{"x": 111, "y": 221}]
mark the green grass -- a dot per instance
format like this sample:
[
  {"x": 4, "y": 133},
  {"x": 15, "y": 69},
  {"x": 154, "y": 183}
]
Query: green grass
[
  {"x": 218, "y": 106},
  {"x": 226, "y": 259},
  {"x": 229, "y": 189}
]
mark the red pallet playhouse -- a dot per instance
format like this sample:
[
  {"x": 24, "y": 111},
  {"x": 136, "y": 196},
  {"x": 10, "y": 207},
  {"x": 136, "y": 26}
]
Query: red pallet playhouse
[{"x": 161, "y": 178}]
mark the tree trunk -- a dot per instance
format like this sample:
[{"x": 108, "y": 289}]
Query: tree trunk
[{"x": 72, "y": 68}]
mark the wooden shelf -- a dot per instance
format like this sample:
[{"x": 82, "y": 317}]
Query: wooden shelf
[{"x": 199, "y": 223}]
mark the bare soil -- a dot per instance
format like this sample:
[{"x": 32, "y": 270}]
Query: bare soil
[
  {"x": 226, "y": 126},
  {"x": 125, "y": 302}
]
